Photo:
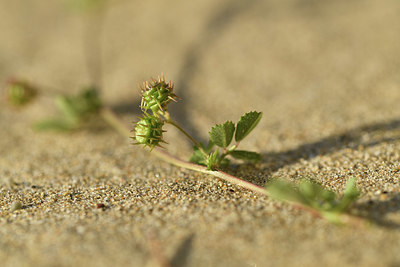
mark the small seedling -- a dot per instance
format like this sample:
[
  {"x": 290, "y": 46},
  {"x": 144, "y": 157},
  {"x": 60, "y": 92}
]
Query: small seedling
[
  {"x": 74, "y": 111},
  {"x": 158, "y": 94},
  {"x": 314, "y": 196}
]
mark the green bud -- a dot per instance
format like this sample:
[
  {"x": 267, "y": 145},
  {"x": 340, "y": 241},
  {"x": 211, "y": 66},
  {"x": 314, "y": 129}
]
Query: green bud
[
  {"x": 148, "y": 131},
  {"x": 156, "y": 95},
  {"x": 20, "y": 93}
]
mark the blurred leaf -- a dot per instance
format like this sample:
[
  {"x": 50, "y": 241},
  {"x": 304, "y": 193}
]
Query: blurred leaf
[
  {"x": 315, "y": 196},
  {"x": 74, "y": 110},
  {"x": 55, "y": 125},
  {"x": 66, "y": 106},
  {"x": 318, "y": 197},
  {"x": 285, "y": 191},
  {"x": 86, "y": 103},
  {"x": 350, "y": 194}
]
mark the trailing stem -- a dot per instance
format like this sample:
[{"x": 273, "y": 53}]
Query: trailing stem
[{"x": 112, "y": 119}]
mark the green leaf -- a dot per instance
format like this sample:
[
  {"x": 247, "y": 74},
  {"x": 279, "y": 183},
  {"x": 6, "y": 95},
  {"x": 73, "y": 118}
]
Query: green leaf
[
  {"x": 90, "y": 101},
  {"x": 314, "y": 191},
  {"x": 198, "y": 157},
  {"x": 209, "y": 146},
  {"x": 80, "y": 106},
  {"x": 74, "y": 110},
  {"x": 351, "y": 193},
  {"x": 315, "y": 196},
  {"x": 246, "y": 155},
  {"x": 246, "y": 124},
  {"x": 221, "y": 134},
  {"x": 309, "y": 189},
  {"x": 318, "y": 197},
  {"x": 67, "y": 107},
  {"x": 285, "y": 191},
  {"x": 55, "y": 125},
  {"x": 351, "y": 190}
]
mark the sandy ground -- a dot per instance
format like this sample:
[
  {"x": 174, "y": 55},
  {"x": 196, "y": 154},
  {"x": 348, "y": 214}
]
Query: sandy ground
[{"x": 325, "y": 74}]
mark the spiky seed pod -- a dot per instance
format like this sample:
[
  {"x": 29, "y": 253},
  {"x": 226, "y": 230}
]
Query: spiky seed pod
[
  {"x": 156, "y": 95},
  {"x": 148, "y": 131}
]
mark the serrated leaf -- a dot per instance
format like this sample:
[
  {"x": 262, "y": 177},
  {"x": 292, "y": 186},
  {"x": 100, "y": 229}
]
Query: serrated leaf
[
  {"x": 246, "y": 124},
  {"x": 285, "y": 191},
  {"x": 221, "y": 134},
  {"x": 246, "y": 155}
]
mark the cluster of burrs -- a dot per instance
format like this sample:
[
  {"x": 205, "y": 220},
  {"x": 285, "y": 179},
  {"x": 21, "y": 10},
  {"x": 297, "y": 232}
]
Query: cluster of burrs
[{"x": 156, "y": 95}]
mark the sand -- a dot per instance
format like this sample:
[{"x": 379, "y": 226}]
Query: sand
[{"x": 324, "y": 73}]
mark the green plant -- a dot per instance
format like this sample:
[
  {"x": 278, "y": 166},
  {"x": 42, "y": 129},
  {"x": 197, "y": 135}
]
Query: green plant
[
  {"x": 310, "y": 196},
  {"x": 74, "y": 111},
  {"x": 314, "y": 196},
  {"x": 157, "y": 95}
]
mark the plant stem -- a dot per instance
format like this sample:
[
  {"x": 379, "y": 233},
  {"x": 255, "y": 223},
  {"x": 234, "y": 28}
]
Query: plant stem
[
  {"x": 172, "y": 122},
  {"x": 111, "y": 118}
]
